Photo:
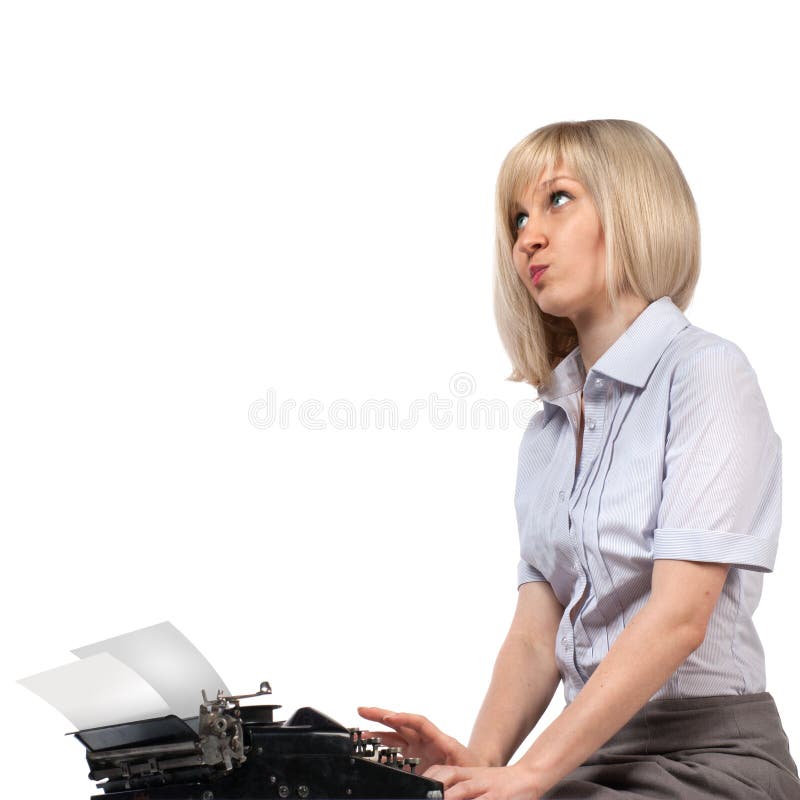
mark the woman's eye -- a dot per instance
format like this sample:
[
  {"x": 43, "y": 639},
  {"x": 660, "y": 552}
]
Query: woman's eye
[
  {"x": 557, "y": 193},
  {"x": 521, "y": 219}
]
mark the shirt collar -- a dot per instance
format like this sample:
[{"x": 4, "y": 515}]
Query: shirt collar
[{"x": 631, "y": 358}]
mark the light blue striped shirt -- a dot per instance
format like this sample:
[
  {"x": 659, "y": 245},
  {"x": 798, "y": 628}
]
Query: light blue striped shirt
[{"x": 679, "y": 460}]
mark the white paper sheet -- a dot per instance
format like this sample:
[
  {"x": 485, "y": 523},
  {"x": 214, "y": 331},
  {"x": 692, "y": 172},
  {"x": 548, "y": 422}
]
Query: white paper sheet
[
  {"x": 167, "y": 660},
  {"x": 96, "y": 691}
]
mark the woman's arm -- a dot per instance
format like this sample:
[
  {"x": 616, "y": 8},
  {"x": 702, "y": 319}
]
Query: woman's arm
[
  {"x": 524, "y": 679},
  {"x": 656, "y": 641},
  {"x": 523, "y": 682},
  {"x": 653, "y": 645}
]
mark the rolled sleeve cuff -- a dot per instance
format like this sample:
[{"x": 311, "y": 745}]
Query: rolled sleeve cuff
[
  {"x": 526, "y": 573},
  {"x": 745, "y": 552}
]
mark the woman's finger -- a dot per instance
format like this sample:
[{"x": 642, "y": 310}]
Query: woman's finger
[
  {"x": 424, "y": 728},
  {"x": 373, "y": 712},
  {"x": 465, "y": 790},
  {"x": 414, "y": 727},
  {"x": 411, "y": 735},
  {"x": 434, "y": 772},
  {"x": 448, "y": 775}
]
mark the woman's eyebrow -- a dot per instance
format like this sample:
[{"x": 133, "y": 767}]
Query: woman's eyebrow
[
  {"x": 557, "y": 177},
  {"x": 517, "y": 203}
]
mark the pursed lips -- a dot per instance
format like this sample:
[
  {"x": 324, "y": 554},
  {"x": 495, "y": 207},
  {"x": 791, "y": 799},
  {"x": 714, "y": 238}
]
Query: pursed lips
[{"x": 534, "y": 268}]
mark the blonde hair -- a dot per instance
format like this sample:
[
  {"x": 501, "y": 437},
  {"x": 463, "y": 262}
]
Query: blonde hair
[{"x": 649, "y": 220}]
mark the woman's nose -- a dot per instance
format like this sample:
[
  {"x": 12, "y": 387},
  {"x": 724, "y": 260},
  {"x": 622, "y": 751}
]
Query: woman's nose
[{"x": 531, "y": 237}]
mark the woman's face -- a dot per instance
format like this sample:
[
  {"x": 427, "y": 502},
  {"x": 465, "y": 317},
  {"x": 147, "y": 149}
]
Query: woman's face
[{"x": 557, "y": 226}]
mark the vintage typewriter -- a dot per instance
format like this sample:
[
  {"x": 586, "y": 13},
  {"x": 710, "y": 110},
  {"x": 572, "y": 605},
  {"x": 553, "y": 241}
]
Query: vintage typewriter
[{"x": 232, "y": 751}]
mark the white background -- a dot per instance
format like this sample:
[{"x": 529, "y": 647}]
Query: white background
[{"x": 205, "y": 203}]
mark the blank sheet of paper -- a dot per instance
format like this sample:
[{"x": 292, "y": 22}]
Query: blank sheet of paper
[
  {"x": 100, "y": 690},
  {"x": 168, "y": 661}
]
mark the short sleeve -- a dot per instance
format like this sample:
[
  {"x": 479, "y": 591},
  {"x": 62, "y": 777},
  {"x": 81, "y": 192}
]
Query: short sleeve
[
  {"x": 527, "y": 573},
  {"x": 721, "y": 493}
]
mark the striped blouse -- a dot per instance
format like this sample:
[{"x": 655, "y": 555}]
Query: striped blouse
[{"x": 679, "y": 460}]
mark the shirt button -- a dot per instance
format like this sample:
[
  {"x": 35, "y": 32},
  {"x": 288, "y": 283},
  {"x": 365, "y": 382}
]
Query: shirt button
[
  {"x": 563, "y": 640},
  {"x": 561, "y": 496},
  {"x": 574, "y": 419},
  {"x": 590, "y": 423},
  {"x": 598, "y": 381}
]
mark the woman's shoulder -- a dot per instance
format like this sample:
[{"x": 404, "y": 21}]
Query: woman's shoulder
[
  {"x": 703, "y": 370},
  {"x": 699, "y": 348}
]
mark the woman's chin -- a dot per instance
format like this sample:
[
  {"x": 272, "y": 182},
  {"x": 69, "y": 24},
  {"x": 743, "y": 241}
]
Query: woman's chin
[{"x": 548, "y": 302}]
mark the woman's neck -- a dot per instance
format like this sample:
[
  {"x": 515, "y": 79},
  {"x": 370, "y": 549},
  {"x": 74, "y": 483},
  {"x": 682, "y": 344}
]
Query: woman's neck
[{"x": 598, "y": 331}]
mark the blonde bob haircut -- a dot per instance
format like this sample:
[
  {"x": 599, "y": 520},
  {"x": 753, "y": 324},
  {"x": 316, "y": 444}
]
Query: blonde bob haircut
[{"x": 649, "y": 220}]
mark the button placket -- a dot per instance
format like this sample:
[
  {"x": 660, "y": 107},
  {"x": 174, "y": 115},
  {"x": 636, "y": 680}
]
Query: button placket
[
  {"x": 595, "y": 399},
  {"x": 594, "y": 410},
  {"x": 598, "y": 406}
]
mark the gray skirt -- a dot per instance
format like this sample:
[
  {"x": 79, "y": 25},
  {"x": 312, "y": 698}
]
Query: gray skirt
[{"x": 696, "y": 748}]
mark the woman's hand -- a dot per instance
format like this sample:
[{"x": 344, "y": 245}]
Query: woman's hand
[
  {"x": 418, "y": 737},
  {"x": 488, "y": 783}
]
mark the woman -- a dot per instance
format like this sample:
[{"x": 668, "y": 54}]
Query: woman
[{"x": 648, "y": 500}]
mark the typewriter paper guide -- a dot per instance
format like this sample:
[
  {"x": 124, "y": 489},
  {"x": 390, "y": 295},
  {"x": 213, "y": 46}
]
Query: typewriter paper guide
[
  {"x": 99, "y": 690},
  {"x": 166, "y": 660}
]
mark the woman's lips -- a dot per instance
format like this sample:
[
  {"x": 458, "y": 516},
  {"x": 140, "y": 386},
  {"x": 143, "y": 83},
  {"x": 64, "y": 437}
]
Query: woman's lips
[{"x": 536, "y": 272}]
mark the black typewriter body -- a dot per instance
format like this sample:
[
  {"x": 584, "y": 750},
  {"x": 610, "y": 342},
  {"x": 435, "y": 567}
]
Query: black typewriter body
[{"x": 234, "y": 752}]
